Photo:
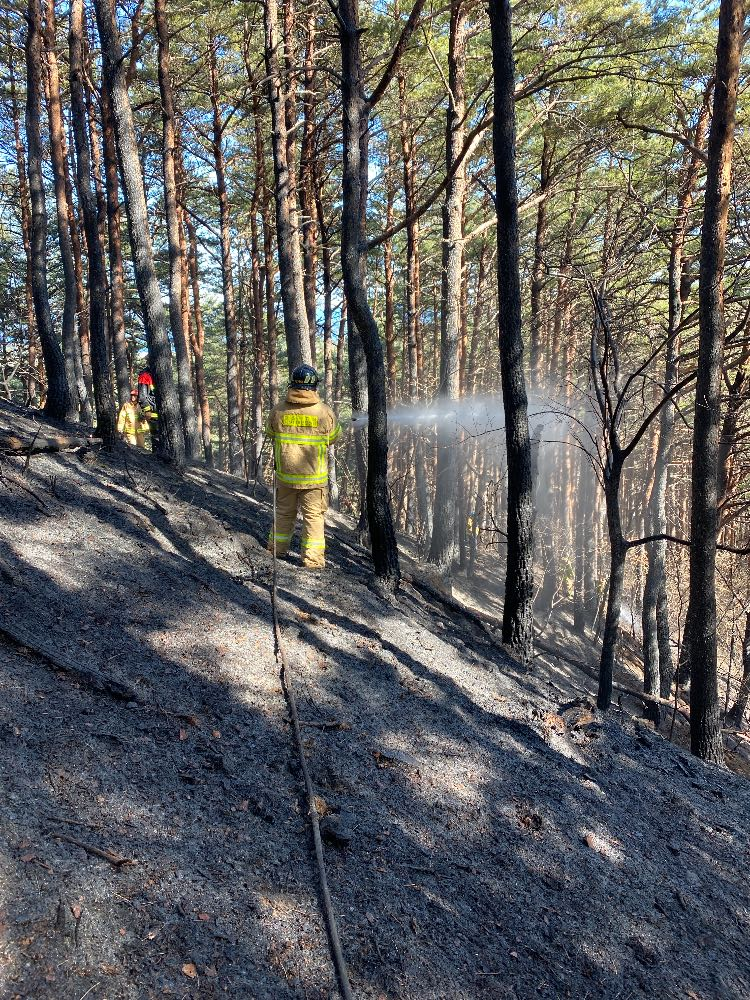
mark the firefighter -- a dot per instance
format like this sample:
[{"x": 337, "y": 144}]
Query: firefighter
[
  {"x": 131, "y": 423},
  {"x": 147, "y": 402},
  {"x": 301, "y": 429}
]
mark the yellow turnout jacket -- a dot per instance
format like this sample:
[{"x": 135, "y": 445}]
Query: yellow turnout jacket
[
  {"x": 302, "y": 428},
  {"x": 131, "y": 422}
]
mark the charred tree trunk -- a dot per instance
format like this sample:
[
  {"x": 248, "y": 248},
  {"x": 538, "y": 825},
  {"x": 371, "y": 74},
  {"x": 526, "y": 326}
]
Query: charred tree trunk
[
  {"x": 617, "y": 553},
  {"x": 705, "y": 730},
  {"x": 116, "y": 269},
  {"x": 171, "y": 439},
  {"x": 355, "y": 119},
  {"x": 60, "y": 403},
  {"x": 97, "y": 290},
  {"x": 519, "y": 576},
  {"x": 179, "y": 334},
  {"x": 442, "y": 546}
]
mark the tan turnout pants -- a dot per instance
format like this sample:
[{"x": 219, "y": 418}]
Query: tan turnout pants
[{"x": 312, "y": 505}]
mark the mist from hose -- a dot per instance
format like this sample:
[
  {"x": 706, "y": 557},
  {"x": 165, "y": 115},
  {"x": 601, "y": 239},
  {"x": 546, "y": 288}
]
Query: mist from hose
[{"x": 472, "y": 416}]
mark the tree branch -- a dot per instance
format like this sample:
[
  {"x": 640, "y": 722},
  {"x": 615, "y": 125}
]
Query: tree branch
[
  {"x": 734, "y": 550},
  {"x": 390, "y": 70},
  {"x": 469, "y": 145}
]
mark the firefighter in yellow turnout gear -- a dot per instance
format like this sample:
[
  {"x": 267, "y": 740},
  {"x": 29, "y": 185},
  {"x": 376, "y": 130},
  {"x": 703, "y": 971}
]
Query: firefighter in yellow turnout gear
[
  {"x": 131, "y": 422},
  {"x": 302, "y": 428}
]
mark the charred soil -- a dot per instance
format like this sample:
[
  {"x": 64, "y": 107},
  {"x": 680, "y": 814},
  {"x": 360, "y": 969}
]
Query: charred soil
[{"x": 485, "y": 837}]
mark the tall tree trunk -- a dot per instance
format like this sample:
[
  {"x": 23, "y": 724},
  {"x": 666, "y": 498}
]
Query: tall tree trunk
[
  {"x": 82, "y": 343},
  {"x": 355, "y": 120},
  {"x": 657, "y": 651},
  {"x": 70, "y": 343},
  {"x": 738, "y": 710},
  {"x": 171, "y": 439},
  {"x": 60, "y": 403},
  {"x": 198, "y": 342},
  {"x": 537, "y": 273},
  {"x": 287, "y": 222},
  {"x": 258, "y": 298},
  {"x": 25, "y": 212},
  {"x": 234, "y": 428},
  {"x": 442, "y": 547},
  {"x": 179, "y": 334},
  {"x": 114, "y": 245},
  {"x": 617, "y": 553},
  {"x": 519, "y": 577},
  {"x": 390, "y": 284},
  {"x": 584, "y": 604},
  {"x": 307, "y": 186},
  {"x": 268, "y": 277},
  {"x": 705, "y": 730},
  {"x": 413, "y": 332},
  {"x": 97, "y": 289}
]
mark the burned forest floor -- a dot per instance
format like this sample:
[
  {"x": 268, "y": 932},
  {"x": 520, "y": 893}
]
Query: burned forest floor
[{"x": 487, "y": 834}]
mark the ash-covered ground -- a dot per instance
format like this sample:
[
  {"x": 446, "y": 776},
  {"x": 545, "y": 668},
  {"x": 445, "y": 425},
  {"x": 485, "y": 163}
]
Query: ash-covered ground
[{"x": 484, "y": 836}]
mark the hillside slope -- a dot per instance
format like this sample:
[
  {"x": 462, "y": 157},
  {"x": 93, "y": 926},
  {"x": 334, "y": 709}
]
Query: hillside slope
[{"x": 483, "y": 840}]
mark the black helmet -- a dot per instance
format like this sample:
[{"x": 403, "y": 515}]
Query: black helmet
[{"x": 304, "y": 377}]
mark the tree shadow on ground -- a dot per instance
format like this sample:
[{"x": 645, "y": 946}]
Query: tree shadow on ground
[{"x": 467, "y": 871}]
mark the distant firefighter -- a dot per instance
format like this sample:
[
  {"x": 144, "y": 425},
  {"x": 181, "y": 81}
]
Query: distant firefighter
[
  {"x": 131, "y": 422},
  {"x": 147, "y": 402},
  {"x": 301, "y": 429}
]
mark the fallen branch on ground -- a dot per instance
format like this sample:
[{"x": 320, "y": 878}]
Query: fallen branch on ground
[
  {"x": 97, "y": 852},
  {"x": 26, "y": 640},
  {"x": 93, "y": 678}
]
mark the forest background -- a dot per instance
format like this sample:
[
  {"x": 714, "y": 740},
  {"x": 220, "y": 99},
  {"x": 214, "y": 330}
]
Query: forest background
[{"x": 237, "y": 112}]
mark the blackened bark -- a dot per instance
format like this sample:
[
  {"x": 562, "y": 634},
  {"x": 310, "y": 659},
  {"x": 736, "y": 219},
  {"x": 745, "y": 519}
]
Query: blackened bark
[
  {"x": 114, "y": 247},
  {"x": 97, "y": 276},
  {"x": 355, "y": 115},
  {"x": 358, "y": 390},
  {"x": 60, "y": 403},
  {"x": 519, "y": 578},
  {"x": 705, "y": 729},
  {"x": 442, "y": 545},
  {"x": 169, "y": 154},
  {"x": 617, "y": 553},
  {"x": 171, "y": 439}
]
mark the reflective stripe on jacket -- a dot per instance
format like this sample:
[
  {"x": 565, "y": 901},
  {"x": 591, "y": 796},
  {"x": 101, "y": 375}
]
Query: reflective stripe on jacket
[
  {"x": 131, "y": 419},
  {"x": 302, "y": 428}
]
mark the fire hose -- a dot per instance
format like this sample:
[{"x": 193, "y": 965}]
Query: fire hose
[{"x": 287, "y": 685}]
